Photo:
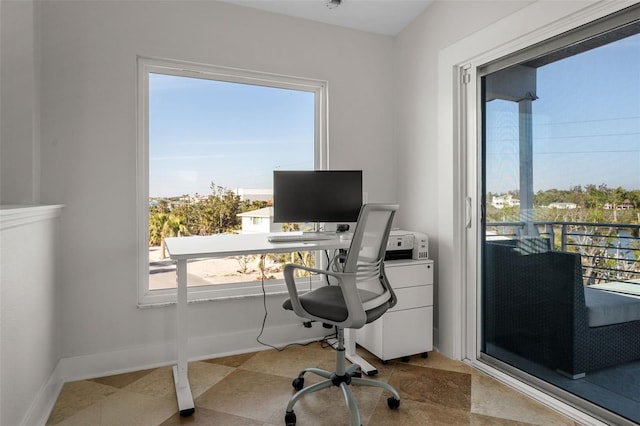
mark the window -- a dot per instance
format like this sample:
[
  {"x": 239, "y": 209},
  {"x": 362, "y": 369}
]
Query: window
[{"x": 209, "y": 139}]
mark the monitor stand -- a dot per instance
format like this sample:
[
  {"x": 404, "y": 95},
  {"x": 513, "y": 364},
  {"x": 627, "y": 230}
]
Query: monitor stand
[{"x": 316, "y": 229}]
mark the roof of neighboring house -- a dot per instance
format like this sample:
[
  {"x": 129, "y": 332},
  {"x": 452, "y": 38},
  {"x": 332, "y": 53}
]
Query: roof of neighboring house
[{"x": 264, "y": 212}]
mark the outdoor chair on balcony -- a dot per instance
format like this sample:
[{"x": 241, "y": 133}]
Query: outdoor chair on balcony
[{"x": 536, "y": 306}]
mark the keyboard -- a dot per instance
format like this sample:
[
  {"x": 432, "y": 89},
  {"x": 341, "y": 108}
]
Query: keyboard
[{"x": 284, "y": 237}]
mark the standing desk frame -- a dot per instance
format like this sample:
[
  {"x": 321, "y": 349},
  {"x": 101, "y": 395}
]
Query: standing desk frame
[{"x": 183, "y": 249}]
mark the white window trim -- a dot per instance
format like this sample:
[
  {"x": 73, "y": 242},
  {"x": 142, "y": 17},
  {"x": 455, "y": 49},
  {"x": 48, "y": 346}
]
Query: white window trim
[{"x": 147, "y": 65}]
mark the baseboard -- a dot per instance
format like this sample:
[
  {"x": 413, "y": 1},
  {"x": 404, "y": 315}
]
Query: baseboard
[
  {"x": 44, "y": 400},
  {"x": 164, "y": 353}
]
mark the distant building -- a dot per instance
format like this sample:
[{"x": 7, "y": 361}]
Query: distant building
[
  {"x": 260, "y": 220},
  {"x": 254, "y": 194},
  {"x": 625, "y": 205},
  {"x": 502, "y": 201},
  {"x": 563, "y": 206}
]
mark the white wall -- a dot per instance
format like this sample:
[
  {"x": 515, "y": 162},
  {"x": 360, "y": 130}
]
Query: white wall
[
  {"x": 89, "y": 149},
  {"x": 19, "y": 113},
  {"x": 426, "y": 169},
  {"x": 30, "y": 335}
]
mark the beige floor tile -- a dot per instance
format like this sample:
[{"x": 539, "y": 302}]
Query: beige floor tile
[
  {"x": 414, "y": 413},
  {"x": 491, "y": 398},
  {"x": 203, "y": 375},
  {"x": 439, "y": 387},
  {"x": 249, "y": 394},
  {"x": 132, "y": 409},
  {"x": 158, "y": 384},
  {"x": 121, "y": 380},
  {"x": 206, "y": 417},
  {"x": 289, "y": 362},
  {"x": 123, "y": 408},
  {"x": 232, "y": 360},
  {"x": 87, "y": 416},
  {"x": 482, "y": 420},
  {"x": 76, "y": 396}
]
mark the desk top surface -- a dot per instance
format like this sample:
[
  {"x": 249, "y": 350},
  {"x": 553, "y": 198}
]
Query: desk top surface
[{"x": 223, "y": 245}]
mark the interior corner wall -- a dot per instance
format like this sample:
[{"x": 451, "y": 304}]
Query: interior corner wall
[
  {"x": 88, "y": 133},
  {"x": 19, "y": 107},
  {"x": 426, "y": 182}
]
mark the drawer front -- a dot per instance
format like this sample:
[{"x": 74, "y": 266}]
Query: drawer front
[
  {"x": 407, "y": 332},
  {"x": 409, "y": 275},
  {"x": 413, "y": 297}
]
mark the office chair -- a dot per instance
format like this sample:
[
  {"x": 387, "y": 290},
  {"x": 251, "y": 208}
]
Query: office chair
[{"x": 361, "y": 295}]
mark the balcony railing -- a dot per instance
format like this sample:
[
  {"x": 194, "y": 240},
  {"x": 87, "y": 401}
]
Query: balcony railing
[{"x": 610, "y": 252}]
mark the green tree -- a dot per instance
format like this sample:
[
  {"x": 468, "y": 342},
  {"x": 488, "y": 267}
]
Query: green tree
[
  {"x": 163, "y": 225},
  {"x": 219, "y": 213}
]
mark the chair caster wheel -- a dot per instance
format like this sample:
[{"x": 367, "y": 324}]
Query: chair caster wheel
[
  {"x": 290, "y": 418},
  {"x": 393, "y": 403},
  {"x": 406, "y": 358},
  {"x": 425, "y": 355},
  {"x": 298, "y": 383}
]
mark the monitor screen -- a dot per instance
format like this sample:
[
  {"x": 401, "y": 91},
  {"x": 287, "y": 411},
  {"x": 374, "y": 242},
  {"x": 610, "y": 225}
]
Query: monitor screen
[{"x": 317, "y": 196}]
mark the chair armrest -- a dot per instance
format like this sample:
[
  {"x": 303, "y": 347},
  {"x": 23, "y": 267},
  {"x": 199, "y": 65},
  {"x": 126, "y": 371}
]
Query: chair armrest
[{"x": 356, "y": 316}]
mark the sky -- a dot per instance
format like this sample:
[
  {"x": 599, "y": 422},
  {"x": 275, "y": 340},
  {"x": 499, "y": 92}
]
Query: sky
[
  {"x": 586, "y": 124},
  {"x": 586, "y": 129},
  {"x": 234, "y": 135}
]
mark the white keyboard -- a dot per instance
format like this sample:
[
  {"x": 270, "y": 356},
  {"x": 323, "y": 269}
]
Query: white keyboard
[{"x": 283, "y": 237}]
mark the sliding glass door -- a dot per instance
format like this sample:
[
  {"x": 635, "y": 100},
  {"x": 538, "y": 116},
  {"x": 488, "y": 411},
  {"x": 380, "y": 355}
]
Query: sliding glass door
[{"x": 560, "y": 281}]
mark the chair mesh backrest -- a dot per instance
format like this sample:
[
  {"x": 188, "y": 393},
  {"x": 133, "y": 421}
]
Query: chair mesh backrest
[{"x": 369, "y": 244}]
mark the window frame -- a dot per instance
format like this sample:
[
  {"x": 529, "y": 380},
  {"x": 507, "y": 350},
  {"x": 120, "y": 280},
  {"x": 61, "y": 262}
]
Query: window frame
[{"x": 146, "y": 66}]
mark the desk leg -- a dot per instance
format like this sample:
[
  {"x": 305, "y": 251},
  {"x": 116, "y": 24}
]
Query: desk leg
[
  {"x": 180, "y": 377},
  {"x": 350, "y": 348}
]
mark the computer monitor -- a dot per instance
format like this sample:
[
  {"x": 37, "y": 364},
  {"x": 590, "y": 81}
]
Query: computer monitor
[{"x": 317, "y": 196}]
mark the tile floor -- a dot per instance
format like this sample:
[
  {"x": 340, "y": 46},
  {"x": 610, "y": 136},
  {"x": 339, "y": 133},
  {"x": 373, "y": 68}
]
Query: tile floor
[{"x": 253, "y": 389}]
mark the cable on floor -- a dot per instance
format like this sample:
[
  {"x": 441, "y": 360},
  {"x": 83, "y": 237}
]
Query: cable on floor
[{"x": 323, "y": 341}]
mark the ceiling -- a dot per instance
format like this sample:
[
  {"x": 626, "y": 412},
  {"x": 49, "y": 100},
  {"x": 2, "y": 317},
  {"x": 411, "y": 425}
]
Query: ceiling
[{"x": 387, "y": 17}]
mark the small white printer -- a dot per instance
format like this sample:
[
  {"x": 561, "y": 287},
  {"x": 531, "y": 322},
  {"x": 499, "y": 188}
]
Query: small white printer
[{"x": 407, "y": 245}]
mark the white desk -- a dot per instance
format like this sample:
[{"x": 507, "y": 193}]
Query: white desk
[{"x": 181, "y": 249}]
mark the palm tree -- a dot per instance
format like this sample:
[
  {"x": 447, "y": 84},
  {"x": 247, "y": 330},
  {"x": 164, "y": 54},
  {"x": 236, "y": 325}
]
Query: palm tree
[{"x": 163, "y": 225}]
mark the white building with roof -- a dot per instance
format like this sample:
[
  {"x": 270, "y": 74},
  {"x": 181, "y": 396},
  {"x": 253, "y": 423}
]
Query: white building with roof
[{"x": 260, "y": 220}]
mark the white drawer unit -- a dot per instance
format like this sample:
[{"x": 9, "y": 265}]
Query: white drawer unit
[{"x": 407, "y": 328}]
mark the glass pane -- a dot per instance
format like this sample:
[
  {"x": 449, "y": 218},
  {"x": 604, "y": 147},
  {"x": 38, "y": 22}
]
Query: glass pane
[
  {"x": 561, "y": 251},
  {"x": 213, "y": 146}
]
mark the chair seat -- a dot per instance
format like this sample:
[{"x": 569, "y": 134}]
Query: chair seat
[{"x": 328, "y": 302}]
